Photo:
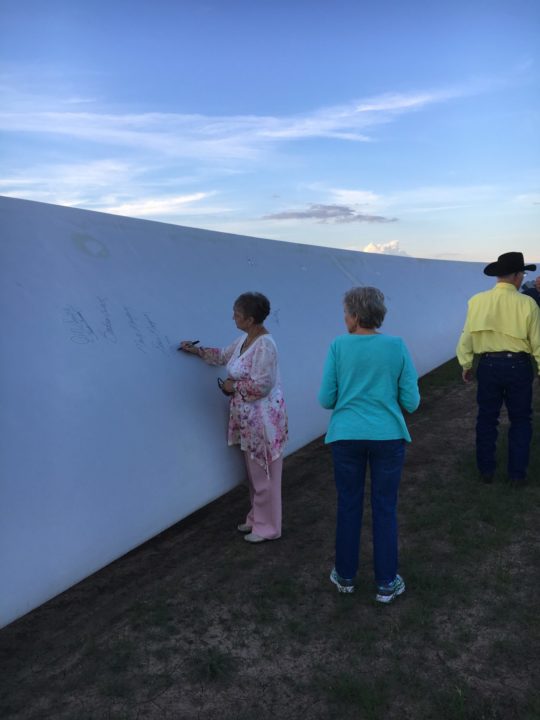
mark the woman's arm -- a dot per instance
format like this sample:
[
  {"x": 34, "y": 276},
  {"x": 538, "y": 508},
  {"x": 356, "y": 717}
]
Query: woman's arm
[
  {"x": 263, "y": 373},
  {"x": 409, "y": 395},
  {"x": 217, "y": 356},
  {"x": 328, "y": 393}
]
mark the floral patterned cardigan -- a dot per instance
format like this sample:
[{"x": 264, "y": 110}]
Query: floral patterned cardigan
[{"x": 258, "y": 416}]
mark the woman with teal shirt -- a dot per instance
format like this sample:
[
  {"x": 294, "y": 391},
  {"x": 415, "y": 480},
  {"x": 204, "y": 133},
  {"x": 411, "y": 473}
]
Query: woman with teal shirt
[{"x": 368, "y": 380}]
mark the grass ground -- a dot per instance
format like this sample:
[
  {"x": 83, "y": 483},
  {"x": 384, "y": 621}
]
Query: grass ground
[{"x": 198, "y": 624}]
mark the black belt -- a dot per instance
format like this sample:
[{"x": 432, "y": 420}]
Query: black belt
[{"x": 506, "y": 353}]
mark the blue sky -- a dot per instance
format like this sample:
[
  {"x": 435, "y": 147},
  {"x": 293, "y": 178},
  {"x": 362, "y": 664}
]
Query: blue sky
[{"x": 388, "y": 126}]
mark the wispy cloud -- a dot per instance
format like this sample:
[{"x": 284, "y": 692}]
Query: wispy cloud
[
  {"x": 329, "y": 213},
  {"x": 441, "y": 196},
  {"x": 164, "y": 207},
  {"x": 219, "y": 137},
  {"x": 71, "y": 183},
  {"x": 79, "y": 100},
  {"x": 528, "y": 199},
  {"x": 160, "y": 146},
  {"x": 355, "y": 197},
  {"x": 348, "y": 205},
  {"x": 419, "y": 199},
  {"x": 111, "y": 186}
]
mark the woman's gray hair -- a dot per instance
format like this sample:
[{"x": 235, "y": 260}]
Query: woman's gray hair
[{"x": 366, "y": 304}]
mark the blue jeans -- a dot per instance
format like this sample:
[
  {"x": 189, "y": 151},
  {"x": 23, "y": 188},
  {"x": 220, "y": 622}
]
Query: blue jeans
[
  {"x": 507, "y": 380},
  {"x": 385, "y": 459}
]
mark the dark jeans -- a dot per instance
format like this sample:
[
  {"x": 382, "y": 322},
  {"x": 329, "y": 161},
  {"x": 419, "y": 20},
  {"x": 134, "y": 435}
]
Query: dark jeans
[
  {"x": 507, "y": 380},
  {"x": 385, "y": 459}
]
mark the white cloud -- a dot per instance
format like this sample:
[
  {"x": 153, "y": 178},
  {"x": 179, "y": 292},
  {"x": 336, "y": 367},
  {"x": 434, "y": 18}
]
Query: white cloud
[
  {"x": 79, "y": 100},
  {"x": 241, "y": 136},
  {"x": 418, "y": 200},
  {"x": 97, "y": 173},
  {"x": 389, "y": 248},
  {"x": 157, "y": 144},
  {"x": 168, "y": 206},
  {"x": 71, "y": 184},
  {"x": 354, "y": 197},
  {"x": 440, "y": 196},
  {"x": 528, "y": 199},
  {"x": 108, "y": 185}
]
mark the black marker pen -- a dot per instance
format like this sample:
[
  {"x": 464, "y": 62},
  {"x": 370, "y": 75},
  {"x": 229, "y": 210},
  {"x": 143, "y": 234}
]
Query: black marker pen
[{"x": 191, "y": 344}]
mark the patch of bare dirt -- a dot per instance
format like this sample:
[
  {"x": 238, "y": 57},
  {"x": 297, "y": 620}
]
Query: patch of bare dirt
[{"x": 197, "y": 623}]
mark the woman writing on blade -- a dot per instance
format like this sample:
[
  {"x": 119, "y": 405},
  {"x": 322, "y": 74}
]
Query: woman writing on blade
[
  {"x": 368, "y": 378},
  {"x": 258, "y": 417}
]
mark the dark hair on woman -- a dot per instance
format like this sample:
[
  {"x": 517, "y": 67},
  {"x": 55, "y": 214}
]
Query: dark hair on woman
[{"x": 253, "y": 304}]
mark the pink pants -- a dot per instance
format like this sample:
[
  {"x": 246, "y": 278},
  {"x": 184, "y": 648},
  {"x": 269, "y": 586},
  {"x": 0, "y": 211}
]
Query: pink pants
[{"x": 265, "y": 496}]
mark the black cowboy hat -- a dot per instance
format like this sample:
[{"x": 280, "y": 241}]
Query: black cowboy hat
[{"x": 507, "y": 264}]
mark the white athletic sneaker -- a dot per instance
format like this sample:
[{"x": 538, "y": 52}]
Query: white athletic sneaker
[{"x": 253, "y": 538}]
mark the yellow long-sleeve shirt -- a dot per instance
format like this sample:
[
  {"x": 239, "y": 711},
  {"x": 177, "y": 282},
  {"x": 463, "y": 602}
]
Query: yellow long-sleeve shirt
[{"x": 500, "y": 319}]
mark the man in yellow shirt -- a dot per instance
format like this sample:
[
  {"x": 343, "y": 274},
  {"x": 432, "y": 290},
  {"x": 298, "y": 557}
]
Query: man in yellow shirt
[{"x": 503, "y": 327}]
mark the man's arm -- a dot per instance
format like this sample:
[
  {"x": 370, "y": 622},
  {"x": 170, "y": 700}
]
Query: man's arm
[
  {"x": 467, "y": 375},
  {"x": 465, "y": 354},
  {"x": 534, "y": 338}
]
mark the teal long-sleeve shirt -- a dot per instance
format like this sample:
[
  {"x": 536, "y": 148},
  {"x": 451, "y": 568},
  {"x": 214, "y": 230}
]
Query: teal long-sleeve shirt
[{"x": 367, "y": 381}]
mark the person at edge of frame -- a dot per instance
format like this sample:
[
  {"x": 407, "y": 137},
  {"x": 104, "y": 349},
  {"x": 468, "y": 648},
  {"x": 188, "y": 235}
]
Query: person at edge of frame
[
  {"x": 532, "y": 289},
  {"x": 503, "y": 328}
]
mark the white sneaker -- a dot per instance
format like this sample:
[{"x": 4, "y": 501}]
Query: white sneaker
[
  {"x": 253, "y": 538},
  {"x": 243, "y": 527}
]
